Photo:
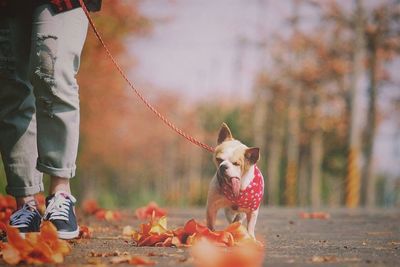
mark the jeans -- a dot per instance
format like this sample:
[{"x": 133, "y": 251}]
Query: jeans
[{"x": 39, "y": 100}]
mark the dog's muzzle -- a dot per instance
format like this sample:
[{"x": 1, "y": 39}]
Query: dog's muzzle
[{"x": 232, "y": 182}]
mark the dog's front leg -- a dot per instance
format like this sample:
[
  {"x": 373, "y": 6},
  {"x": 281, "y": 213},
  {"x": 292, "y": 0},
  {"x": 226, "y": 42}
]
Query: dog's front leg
[
  {"x": 211, "y": 217},
  {"x": 251, "y": 222}
]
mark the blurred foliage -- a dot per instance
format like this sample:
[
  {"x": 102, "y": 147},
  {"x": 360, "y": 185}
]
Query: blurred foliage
[{"x": 127, "y": 157}]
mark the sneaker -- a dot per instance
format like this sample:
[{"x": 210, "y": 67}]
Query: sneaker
[
  {"x": 27, "y": 219},
  {"x": 60, "y": 211}
]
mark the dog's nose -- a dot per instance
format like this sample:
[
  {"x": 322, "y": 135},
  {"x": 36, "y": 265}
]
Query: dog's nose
[{"x": 223, "y": 168}]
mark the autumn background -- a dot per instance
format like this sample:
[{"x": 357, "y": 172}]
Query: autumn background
[{"x": 314, "y": 84}]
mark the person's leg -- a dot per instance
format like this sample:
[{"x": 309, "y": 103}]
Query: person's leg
[
  {"x": 17, "y": 110},
  {"x": 56, "y": 47},
  {"x": 59, "y": 184},
  {"x": 57, "y": 44},
  {"x": 18, "y": 122}
]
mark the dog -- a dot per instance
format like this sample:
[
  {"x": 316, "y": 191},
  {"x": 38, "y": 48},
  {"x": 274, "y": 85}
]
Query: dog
[{"x": 238, "y": 185}]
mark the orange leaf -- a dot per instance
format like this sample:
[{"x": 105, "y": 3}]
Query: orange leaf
[
  {"x": 100, "y": 214},
  {"x": 7, "y": 201},
  {"x": 7, "y": 207},
  {"x": 238, "y": 231},
  {"x": 108, "y": 215},
  {"x": 151, "y": 240},
  {"x": 127, "y": 231},
  {"x": 36, "y": 248},
  {"x": 85, "y": 232},
  {"x": 41, "y": 202},
  {"x": 11, "y": 255},
  {"x": 155, "y": 233},
  {"x": 41, "y": 253},
  {"x": 151, "y": 210},
  {"x": 192, "y": 227},
  {"x": 90, "y": 206},
  {"x": 48, "y": 234},
  {"x": 207, "y": 254},
  {"x": 48, "y": 231},
  {"x": 15, "y": 240},
  {"x": 314, "y": 215},
  {"x": 138, "y": 260},
  {"x": 133, "y": 260}
]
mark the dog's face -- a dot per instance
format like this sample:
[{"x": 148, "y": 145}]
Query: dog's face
[{"x": 233, "y": 159}]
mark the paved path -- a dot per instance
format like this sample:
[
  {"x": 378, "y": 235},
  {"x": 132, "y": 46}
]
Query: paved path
[{"x": 348, "y": 238}]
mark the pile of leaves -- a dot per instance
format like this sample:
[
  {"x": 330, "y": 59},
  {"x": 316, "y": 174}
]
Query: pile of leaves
[
  {"x": 35, "y": 248},
  {"x": 90, "y": 207},
  {"x": 156, "y": 233},
  {"x": 231, "y": 247},
  {"x": 7, "y": 207}
]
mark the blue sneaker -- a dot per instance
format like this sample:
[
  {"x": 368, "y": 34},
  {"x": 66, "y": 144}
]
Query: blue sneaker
[
  {"x": 60, "y": 211},
  {"x": 27, "y": 219}
]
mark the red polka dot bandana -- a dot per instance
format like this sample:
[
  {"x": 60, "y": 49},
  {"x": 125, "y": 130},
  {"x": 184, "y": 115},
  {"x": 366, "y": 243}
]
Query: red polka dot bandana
[{"x": 251, "y": 196}]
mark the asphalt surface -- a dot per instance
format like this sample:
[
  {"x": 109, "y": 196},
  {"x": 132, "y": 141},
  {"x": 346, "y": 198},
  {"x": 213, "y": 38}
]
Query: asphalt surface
[{"x": 348, "y": 238}]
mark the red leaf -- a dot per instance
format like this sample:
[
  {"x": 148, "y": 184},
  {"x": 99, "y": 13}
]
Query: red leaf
[
  {"x": 90, "y": 206},
  {"x": 152, "y": 209},
  {"x": 85, "y": 232}
]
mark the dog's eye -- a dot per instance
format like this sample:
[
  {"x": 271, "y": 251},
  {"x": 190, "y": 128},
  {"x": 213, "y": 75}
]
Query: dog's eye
[
  {"x": 236, "y": 163},
  {"x": 219, "y": 160}
]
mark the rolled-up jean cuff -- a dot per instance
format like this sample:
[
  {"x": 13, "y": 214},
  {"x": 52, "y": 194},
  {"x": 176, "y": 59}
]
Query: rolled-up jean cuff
[
  {"x": 63, "y": 173},
  {"x": 24, "y": 191}
]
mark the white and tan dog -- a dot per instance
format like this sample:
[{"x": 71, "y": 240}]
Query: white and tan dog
[{"x": 238, "y": 184}]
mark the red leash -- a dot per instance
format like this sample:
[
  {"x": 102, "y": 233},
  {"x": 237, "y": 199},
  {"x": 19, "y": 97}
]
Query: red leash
[{"x": 140, "y": 95}]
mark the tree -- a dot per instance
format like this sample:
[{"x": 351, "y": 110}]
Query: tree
[
  {"x": 106, "y": 105},
  {"x": 382, "y": 40}
]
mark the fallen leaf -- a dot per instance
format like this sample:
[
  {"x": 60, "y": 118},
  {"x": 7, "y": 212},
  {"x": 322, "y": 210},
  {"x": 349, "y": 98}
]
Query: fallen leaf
[
  {"x": 156, "y": 233},
  {"x": 323, "y": 259},
  {"x": 10, "y": 254},
  {"x": 108, "y": 215},
  {"x": 127, "y": 231},
  {"x": 150, "y": 210},
  {"x": 85, "y": 232},
  {"x": 7, "y": 207},
  {"x": 90, "y": 206},
  {"x": 207, "y": 254},
  {"x": 314, "y": 215},
  {"x": 41, "y": 203},
  {"x": 133, "y": 260},
  {"x": 35, "y": 248}
]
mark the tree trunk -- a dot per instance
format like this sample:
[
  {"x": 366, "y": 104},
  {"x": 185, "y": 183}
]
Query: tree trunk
[
  {"x": 261, "y": 104},
  {"x": 292, "y": 148},
  {"x": 352, "y": 197},
  {"x": 316, "y": 153},
  {"x": 275, "y": 157},
  {"x": 368, "y": 170},
  {"x": 316, "y": 171},
  {"x": 304, "y": 188}
]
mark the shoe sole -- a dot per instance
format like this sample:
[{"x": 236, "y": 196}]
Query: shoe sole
[
  {"x": 68, "y": 235},
  {"x": 61, "y": 235}
]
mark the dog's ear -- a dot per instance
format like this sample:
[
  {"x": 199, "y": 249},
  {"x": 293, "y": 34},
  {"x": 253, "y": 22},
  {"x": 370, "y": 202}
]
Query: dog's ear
[
  {"x": 224, "y": 134},
  {"x": 252, "y": 154}
]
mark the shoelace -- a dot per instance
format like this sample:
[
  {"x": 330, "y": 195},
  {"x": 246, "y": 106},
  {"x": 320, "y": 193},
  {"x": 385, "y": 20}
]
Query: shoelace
[
  {"x": 58, "y": 208},
  {"x": 23, "y": 216}
]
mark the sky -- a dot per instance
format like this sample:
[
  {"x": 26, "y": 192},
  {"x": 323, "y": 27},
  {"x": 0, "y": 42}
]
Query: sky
[
  {"x": 212, "y": 49},
  {"x": 195, "y": 48}
]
